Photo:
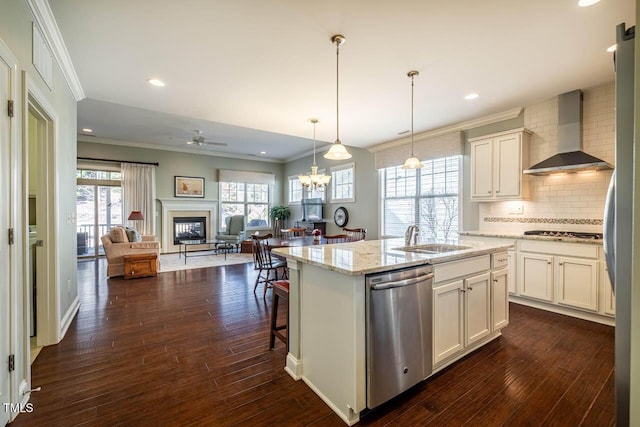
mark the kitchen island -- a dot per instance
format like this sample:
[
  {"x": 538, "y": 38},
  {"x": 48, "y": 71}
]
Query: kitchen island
[{"x": 327, "y": 310}]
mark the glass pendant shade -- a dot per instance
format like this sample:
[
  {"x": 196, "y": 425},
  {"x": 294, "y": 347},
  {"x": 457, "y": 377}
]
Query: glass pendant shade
[
  {"x": 337, "y": 150},
  {"x": 412, "y": 162}
]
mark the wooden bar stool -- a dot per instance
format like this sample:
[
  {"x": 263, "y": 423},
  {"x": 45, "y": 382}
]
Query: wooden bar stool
[{"x": 280, "y": 290}]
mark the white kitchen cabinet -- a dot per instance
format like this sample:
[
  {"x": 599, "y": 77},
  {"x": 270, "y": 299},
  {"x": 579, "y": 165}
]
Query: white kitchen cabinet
[
  {"x": 513, "y": 269},
  {"x": 576, "y": 282},
  {"x": 477, "y": 308},
  {"x": 462, "y": 304},
  {"x": 497, "y": 162},
  {"x": 448, "y": 320},
  {"x": 535, "y": 272},
  {"x": 499, "y": 298}
]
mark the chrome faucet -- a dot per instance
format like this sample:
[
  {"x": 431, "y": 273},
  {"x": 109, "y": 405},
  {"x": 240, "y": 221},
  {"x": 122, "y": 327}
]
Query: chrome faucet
[{"x": 412, "y": 231}]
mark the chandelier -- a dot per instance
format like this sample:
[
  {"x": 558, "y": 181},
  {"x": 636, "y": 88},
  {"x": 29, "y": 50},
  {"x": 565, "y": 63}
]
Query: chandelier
[
  {"x": 314, "y": 181},
  {"x": 337, "y": 150},
  {"x": 412, "y": 162}
]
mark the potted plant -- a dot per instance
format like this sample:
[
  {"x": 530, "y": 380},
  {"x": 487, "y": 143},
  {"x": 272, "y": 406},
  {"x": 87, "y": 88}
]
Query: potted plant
[{"x": 279, "y": 214}]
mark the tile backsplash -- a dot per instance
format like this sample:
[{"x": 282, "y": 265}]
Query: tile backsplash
[{"x": 573, "y": 201}]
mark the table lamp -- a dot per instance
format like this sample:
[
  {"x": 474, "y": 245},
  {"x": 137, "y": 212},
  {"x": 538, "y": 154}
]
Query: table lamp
[{"x": 136, "y": 216}]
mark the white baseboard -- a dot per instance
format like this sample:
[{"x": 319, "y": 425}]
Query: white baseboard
[
  {"x": 68, "y": 318},
  {"x": 293, "y": 367},
  {"x": 584, "y": 315}
]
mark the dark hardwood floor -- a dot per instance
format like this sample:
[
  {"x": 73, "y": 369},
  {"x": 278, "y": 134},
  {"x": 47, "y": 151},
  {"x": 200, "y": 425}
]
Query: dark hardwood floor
[{"x": 190, "y": 348}]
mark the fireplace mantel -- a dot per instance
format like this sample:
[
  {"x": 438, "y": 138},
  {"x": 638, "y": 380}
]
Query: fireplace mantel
[{"x": 171, "y": 207}]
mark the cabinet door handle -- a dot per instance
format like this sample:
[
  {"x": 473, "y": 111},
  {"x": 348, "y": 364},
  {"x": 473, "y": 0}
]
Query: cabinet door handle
[
  {"x": 489, "y": 192},
  {"x": 548, "y": 262},
  {"x": 560, "y": 263},
  {"x": 497, "y": 191},
  {"x": 469, "y": 288},
  {"x": 495, "y": 280},
  {"x": 462, "y": 290}
]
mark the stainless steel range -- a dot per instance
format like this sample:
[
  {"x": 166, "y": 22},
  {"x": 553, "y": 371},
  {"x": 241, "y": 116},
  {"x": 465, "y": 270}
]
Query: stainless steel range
[{"x": 570, "y": 234}]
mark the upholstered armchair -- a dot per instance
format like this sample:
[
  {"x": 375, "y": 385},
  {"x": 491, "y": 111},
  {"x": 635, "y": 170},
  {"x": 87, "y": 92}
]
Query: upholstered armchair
[
  {"x": 115, "y": 252},
  {"x": 234, "y": 233}
]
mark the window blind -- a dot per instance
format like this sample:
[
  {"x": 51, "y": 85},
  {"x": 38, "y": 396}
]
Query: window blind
[
  {"x": 425, "y": 148},
  {"x": 226, "y": 175}
]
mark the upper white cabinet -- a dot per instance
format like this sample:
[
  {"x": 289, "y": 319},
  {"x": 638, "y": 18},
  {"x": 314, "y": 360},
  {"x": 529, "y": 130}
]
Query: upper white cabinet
[{"x": 497, "y": 162}]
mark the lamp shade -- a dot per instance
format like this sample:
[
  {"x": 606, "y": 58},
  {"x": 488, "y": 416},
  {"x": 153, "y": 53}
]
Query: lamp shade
[
  {"x": 136, "y": 216},
  {"x": 337, "y": 152}
]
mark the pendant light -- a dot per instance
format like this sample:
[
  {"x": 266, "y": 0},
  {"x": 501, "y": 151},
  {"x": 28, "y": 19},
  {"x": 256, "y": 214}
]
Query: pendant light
[
  {"x": 412, "y": 162},
  {"x": 337, "y": 150},
  {"x": 314, "y": 181}
]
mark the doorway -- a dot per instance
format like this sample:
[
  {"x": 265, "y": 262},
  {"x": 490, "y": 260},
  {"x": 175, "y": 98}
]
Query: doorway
[
  {"x": 98, "y": 208},
  {"x": 40, "y": 292}
]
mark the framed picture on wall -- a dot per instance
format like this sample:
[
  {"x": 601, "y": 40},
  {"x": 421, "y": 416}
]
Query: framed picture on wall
[{"x": 189, "y": 186}]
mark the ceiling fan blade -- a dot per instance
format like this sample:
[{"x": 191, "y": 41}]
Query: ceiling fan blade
[{"x": 221, "y": 144}]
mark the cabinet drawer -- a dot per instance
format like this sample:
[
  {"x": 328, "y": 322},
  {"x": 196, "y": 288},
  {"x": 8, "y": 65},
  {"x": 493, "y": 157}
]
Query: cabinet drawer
[
  {"x": 450, "y": 270},
  {"x": 560, "y": 248},
  {"x": 499, "y": 260}
]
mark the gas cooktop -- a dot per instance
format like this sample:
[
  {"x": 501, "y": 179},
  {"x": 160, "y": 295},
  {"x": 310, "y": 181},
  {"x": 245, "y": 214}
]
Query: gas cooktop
[{"x": 574, "y": 234}]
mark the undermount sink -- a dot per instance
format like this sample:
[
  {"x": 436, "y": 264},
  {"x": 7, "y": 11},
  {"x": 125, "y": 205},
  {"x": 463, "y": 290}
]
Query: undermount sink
[{"x": 436, "y": 248}]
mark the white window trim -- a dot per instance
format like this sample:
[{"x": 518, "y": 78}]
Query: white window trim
[
  {"x": 289, "y": 201},
  {"x": 270, "y": 190},
  {"x": 338, "y": 168}
]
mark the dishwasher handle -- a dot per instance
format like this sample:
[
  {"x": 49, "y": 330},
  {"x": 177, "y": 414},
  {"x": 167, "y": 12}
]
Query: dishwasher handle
[{"x": 401, "y": 283}]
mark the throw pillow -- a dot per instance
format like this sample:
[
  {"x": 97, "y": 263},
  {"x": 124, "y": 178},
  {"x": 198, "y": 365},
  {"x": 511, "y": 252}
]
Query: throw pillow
[
  {"x": 133, "y": 235},
  {"x": 118, "y": 235}
]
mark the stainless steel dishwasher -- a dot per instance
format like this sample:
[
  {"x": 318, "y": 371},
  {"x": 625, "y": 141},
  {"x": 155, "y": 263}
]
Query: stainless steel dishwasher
[{"x": 398, "y": 310}]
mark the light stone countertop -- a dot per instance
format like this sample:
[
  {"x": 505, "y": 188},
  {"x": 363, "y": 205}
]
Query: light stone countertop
[
  {"x": 529, "y": 237},
  {"x": 374, "y": 256}
]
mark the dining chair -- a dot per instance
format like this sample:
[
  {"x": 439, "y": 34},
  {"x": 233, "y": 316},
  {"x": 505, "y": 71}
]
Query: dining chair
[
  {"x": 355, "y": 234},
  {"x": 337, "y": 238},
  {"x": 265, "y": 264},
  {"x": 294, "y": 232}
]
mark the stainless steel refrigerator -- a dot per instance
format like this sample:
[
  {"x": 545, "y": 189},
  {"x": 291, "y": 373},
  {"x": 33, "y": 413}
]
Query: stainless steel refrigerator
[{"x": 618, "y": 218}]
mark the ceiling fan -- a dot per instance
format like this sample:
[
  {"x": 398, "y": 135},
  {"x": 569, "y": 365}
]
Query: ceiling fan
[{"x": 199, "y": 140}]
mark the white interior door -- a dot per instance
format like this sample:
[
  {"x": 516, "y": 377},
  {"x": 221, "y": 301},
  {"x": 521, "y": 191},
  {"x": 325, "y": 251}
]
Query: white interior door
[{"x": 5, "y": 140}]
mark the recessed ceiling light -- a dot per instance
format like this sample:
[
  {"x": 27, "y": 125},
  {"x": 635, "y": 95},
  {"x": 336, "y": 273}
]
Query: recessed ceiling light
[
  {"x": 263, "y": 152},
  {"x": 612, "y": 48},
  {"x": 471, "y": 96},
  {"x": 156, "y": 82},
  {"x": 87, "y": 130},
  {"x": 585, "y": 3}
]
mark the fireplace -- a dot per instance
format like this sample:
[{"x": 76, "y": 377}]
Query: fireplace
[{"x": 189, "y": 228}]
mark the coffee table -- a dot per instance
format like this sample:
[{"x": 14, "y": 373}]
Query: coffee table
[{"x": 220, "y": 246}]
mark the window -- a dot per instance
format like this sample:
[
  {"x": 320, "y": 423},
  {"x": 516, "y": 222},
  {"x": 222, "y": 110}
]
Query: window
[
  {"x": 427, "y": 197},
  {"x": 250, "y": 200},
  {"x": 98, "y": 207},
  {"x": 343, "y": 183},
  {"x": 295, "y": 190}
]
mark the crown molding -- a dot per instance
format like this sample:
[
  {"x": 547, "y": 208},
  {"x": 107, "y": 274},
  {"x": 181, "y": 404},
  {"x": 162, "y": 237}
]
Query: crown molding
[
  {"x": 46, "y": 21},
  {"x": 185, "y": 149},
  {"x": 459, "y": 127}
]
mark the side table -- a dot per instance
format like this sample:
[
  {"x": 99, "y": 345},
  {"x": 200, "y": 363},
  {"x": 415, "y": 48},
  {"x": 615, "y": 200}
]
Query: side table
[{"x": 140, "y": 265}]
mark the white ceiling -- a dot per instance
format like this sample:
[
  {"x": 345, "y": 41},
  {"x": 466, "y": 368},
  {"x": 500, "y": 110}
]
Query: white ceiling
[{"x": 250, "y": 73}]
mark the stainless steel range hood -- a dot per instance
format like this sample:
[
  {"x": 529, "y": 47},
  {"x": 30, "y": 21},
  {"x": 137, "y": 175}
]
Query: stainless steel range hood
[{"x": 570, "y": 157}]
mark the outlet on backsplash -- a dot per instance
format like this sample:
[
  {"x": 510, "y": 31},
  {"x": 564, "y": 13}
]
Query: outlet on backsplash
[{"x": 515, "y": 208}]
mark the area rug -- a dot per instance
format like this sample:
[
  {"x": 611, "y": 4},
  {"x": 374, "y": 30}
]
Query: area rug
[{"x": 171, "y": 262}]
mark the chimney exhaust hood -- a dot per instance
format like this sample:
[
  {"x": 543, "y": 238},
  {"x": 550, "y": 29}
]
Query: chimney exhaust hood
[{"x": 570, "y": 157}]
